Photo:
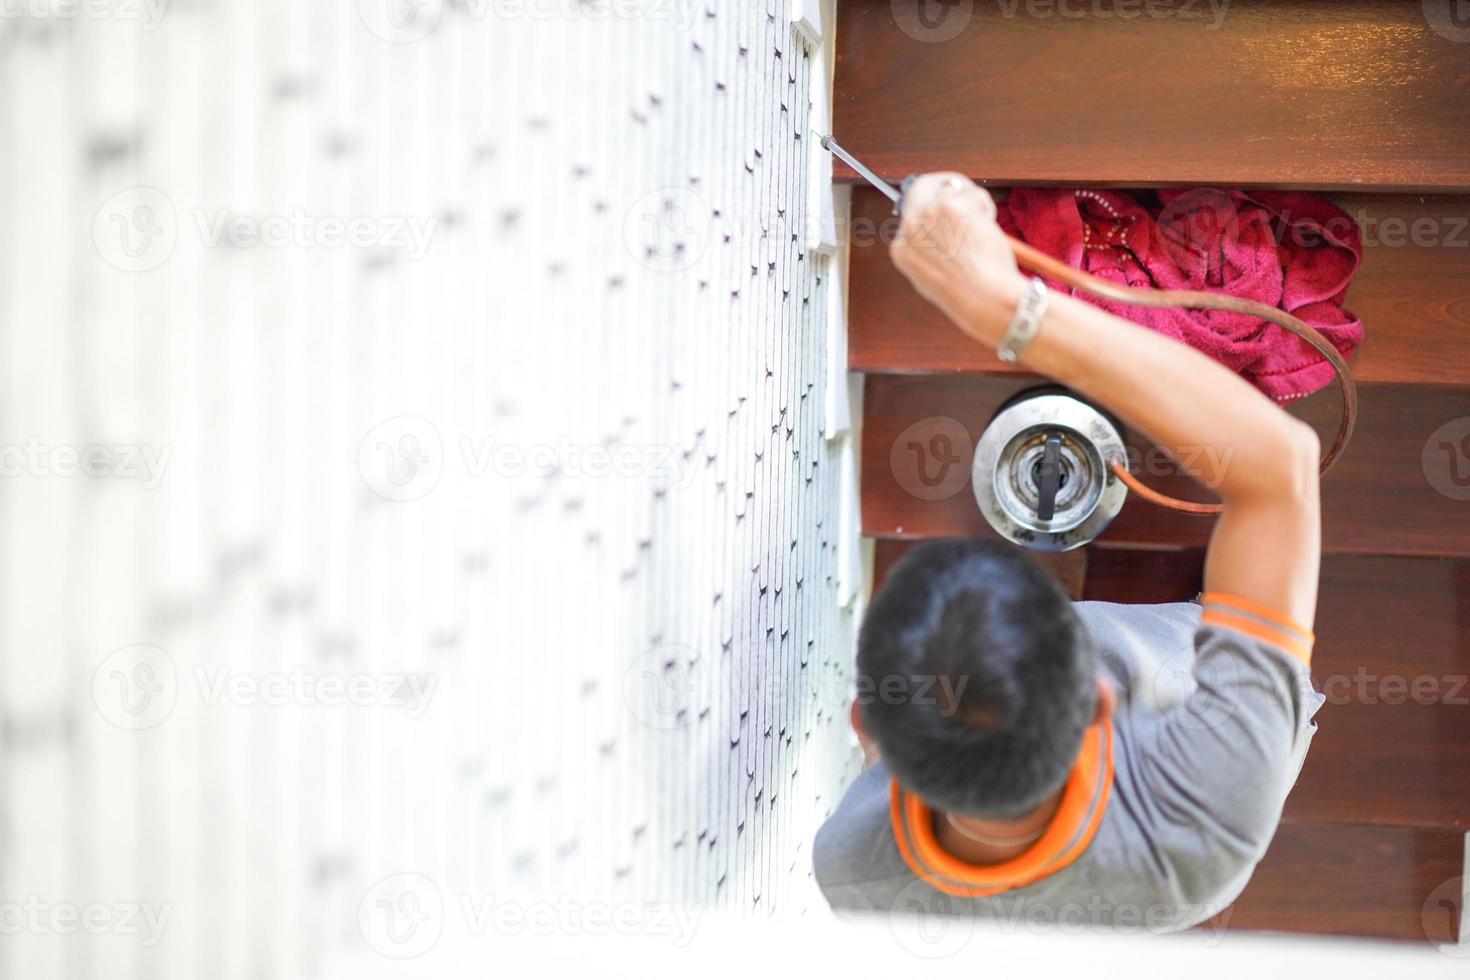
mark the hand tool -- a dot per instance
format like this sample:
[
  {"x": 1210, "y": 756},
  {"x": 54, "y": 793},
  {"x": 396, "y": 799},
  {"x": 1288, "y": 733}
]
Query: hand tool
[{"x": 1044, "y": 265}]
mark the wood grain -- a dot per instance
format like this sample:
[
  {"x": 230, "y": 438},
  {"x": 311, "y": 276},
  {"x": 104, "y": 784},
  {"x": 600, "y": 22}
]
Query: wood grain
[
  {"x": 1409, "y": 292},
  {"x": 1354, "y": 95},
  {"x": 1377, "y": 500},
  {"x": 1386, "y": 882}
]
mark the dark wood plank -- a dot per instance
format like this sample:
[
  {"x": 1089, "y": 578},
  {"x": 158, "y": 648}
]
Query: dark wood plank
[
  {"x": 1069, "y": 568},
  {"x": 1410, "y": 294},
  {"x": 1129, "y": 576},
  {"x": 1385, "y": 882},
  {"x": 1378, "y": 500},
  {"x": 1381, "y": 758},
  {"x": 1356, "y": 94}
]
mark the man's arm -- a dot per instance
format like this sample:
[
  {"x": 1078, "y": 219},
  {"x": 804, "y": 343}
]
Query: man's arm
[{"x": 1262, "y": 463}]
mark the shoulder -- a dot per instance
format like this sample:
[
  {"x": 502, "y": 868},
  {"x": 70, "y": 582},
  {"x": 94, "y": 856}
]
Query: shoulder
[{"x": 855, "y": 842}]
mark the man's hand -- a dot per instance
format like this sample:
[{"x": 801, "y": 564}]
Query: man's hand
[
  {"x": 956, "y": 256},
  {"x": 1263, "y": 463}
]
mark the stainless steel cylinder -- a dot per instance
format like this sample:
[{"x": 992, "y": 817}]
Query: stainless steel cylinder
[{"x": 1042, "y": 476}]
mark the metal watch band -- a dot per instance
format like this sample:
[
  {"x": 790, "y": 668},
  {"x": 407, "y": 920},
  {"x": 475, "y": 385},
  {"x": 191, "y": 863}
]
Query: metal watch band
[{"x": 1025, "y": 323}]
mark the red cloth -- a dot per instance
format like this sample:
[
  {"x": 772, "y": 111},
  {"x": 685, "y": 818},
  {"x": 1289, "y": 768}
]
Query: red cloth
[{"x": 1292, "y": 250}]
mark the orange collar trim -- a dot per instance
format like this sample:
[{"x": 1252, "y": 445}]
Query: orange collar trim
[{"x": 1084, "y": 799}]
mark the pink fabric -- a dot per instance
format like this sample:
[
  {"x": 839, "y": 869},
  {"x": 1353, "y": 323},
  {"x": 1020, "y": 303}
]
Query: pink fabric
[{"x": 1291, "y": 250}]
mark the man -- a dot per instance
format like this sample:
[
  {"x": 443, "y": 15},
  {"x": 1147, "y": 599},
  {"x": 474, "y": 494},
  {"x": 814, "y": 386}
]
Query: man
[{"x": 1088, "y": 763}]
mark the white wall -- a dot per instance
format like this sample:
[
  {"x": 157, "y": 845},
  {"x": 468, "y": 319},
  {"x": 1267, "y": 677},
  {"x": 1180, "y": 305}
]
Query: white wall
[{"x": 325, "y": 464}]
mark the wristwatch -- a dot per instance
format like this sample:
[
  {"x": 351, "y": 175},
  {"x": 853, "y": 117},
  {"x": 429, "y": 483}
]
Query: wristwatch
[{"x": 1024, "y": 323}]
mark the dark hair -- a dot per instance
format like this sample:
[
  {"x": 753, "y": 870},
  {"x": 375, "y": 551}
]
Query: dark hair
[{"x": 978, "y": 678}]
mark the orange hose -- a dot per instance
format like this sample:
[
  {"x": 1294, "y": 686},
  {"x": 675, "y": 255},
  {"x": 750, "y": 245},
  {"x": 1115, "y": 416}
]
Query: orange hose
[{"x": 1043, "y": 264}]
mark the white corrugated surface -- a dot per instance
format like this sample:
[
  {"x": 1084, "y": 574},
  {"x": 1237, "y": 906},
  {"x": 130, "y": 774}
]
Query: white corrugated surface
[{"x": 574, "y": 229}]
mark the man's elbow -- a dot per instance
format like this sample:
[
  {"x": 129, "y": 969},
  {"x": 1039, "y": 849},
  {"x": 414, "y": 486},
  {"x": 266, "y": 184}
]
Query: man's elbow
[
  {"x": 1283, "y": 467},
  {"x": 1303, "y": 462}
]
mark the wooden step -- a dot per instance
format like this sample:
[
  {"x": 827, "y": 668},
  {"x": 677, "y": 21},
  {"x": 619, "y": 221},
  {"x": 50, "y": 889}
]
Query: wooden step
[
  {"x": 1392, "y": 656},
  {"x": 1410, "y": 293},
  {"x": 1377, "y": 500},
  {"x": 1352, "y": 95},
  {"x": 1385, "y": 882}
]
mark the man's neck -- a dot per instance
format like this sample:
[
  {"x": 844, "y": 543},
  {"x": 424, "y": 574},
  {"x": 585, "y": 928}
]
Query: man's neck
[{"x": 957, "y": 834}]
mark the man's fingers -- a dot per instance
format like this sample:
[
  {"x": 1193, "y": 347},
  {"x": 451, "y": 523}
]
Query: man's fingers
[{"x": 952, "y": 193}]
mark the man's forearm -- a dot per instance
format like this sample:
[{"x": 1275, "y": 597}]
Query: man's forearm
[{"x": 1218, "y": 427}]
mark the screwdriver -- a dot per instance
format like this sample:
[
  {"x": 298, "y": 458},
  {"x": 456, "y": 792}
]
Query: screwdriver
[{"x": 894, "y": 194}]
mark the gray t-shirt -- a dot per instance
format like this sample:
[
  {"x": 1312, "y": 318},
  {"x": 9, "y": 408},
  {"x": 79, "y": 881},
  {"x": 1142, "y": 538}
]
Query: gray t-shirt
[{"x": 1169, "y": 808}]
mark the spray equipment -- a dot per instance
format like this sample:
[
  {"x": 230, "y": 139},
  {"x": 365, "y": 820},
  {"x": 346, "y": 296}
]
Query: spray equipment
[
  {"x": 1018, "y": 519},
  {"x": 1043, "y": 474}
]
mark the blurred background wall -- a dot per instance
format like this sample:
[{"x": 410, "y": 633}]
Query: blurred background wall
[{"x": 420, "y": 477}]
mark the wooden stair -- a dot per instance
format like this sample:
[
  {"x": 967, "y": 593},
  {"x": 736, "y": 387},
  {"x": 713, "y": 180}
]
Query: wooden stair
[{"x": 1368, "y": 100}]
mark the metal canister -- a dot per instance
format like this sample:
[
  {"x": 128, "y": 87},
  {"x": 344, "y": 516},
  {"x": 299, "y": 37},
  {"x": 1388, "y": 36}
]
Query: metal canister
[{"x": 1042, "y": 472}]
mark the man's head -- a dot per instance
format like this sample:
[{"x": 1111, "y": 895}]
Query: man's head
[{"x": 975, "y": 678}]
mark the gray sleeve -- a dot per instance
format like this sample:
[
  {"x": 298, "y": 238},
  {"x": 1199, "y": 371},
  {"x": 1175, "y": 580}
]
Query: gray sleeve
[{"x": 1219, "y": 765}]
